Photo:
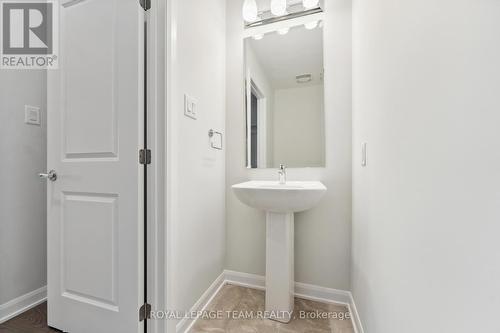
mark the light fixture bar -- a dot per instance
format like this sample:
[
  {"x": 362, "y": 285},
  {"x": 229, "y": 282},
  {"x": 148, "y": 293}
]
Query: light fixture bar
[{"x": 283, "y": 18}]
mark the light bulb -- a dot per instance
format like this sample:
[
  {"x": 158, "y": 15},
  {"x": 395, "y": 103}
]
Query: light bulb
[
  {"x": 310, "y": 4},
  {"x": 258, "y": 37},
  {"x": 283, "y": 31},
  {"x": 311, "y": 25},
  {"x": 250, "y": 11},
  {"x": 278, "y": 7}
]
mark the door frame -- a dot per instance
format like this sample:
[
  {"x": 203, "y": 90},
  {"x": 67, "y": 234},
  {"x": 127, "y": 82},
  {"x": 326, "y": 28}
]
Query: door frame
[
  {"x": 261, "y": 124},
  {"x": 161, "y": 53},
  {"x": 157, "y": 224},
  {"x": 159, "y": 57}
]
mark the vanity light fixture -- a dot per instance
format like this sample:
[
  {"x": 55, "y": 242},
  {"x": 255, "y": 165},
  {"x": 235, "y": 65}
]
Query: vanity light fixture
[
  {"x": 279, "y": 10},
  {"x": 283, "y": 31},
  {"x": 311, "y": 25},
  {"x": 310, "y": 4},
  {"x": 250, "y": 11},
  {"x": 258, "y": 37},
  {"x": 278, "y": 7}
]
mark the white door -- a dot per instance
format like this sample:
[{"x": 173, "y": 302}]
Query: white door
[{"x": 95, "y": 130}]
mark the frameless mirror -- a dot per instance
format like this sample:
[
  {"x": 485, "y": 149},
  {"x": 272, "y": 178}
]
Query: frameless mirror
[{"x": 285, "y": 98}]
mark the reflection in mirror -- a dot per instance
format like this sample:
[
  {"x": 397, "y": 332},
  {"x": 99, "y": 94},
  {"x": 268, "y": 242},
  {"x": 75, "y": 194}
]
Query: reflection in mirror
[{"x": 284, "y": 98}]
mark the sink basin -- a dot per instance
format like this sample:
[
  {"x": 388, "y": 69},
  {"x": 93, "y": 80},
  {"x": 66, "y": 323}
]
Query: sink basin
[
  {"x": 280, "y": 201},
  {"x": 271, "y": 196}
]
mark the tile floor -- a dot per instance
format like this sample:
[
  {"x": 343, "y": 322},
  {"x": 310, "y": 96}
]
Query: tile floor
[{"x": 247, "y": 301}]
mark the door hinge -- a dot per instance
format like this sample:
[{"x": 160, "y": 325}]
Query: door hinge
[
  {"x": 145, "y": 312},
  {"x": 145, "y": 156},
  {"x": 145, "y": 4}
]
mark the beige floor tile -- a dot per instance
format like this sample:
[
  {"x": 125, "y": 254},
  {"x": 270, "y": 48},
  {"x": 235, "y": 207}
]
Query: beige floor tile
[{"x": 246, "y": 301}]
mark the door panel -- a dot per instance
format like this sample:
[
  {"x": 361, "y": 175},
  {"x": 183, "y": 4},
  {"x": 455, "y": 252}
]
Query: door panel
[
  {"x": 89, "y": 46},
  {"x": 83, "y": 215},
  {"x": 95, "y": 130}
]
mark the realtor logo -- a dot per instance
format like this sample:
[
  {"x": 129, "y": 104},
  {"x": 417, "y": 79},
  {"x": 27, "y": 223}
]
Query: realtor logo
[{"x": 29, "y": 38}]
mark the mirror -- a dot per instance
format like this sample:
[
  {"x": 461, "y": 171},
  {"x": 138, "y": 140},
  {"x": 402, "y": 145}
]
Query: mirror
[{"x": 285, "y": 99}]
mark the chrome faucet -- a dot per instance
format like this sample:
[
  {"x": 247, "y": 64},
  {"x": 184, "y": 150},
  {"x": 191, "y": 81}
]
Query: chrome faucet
[{"x": 282, "y": 173}]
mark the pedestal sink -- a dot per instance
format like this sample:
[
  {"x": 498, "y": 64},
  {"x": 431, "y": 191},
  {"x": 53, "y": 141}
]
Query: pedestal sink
[{"x": 280, "y": 202}]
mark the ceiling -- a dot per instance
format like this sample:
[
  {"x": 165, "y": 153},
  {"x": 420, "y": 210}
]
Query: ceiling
[
  {"x": 264, "y": 5},
  {"x": 283, "y": 57}
]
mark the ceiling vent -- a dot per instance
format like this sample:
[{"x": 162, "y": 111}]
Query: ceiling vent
[{"x": 304, "y": 78}]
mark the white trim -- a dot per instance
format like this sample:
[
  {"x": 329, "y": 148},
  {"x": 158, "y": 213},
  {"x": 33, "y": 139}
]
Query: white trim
[
  {"x": 262, "y": 132},
  {"x": 156, "y": 141},
  {"x": 22, "y": 304},
  {"x": 356, "y": 320},
  {"x": 248, "y": 112},
  {"x": 245, "y": 280},
  {"x": 302, "y": 290},
  {"x": 261, "y": 123},
  {"x": 186, "y": 323},
  {"x": 254, "y": 89},
  {"x": 168, "y": 157},
  {"x": 321, "y": 294}
]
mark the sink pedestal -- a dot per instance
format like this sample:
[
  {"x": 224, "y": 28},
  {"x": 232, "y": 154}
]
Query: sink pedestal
[
  {"x": 280, "y": 282},
  {"x": 280, "y": 202}
]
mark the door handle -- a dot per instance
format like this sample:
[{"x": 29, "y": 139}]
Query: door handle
[{"x": 52, "y": 175}]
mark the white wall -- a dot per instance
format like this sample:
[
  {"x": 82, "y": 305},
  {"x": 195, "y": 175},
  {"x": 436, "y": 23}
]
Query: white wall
[
  {"x": 23, "y": 256},
  {"x": 323, "y": 235},
  {"x": 426, "y": 250},
  {"x": 299, "y": 127},
  {"x": 196, "y": 171}
]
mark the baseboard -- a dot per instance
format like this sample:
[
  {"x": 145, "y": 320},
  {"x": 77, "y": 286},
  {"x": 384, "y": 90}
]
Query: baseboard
[
  {"x": 302, "y": 290},
  {"x": 356, "y": 320},
  {"x": 186, "y": 323},
  {"x": 245, "y": 280},
  {"x": 21, "y": 304}
]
